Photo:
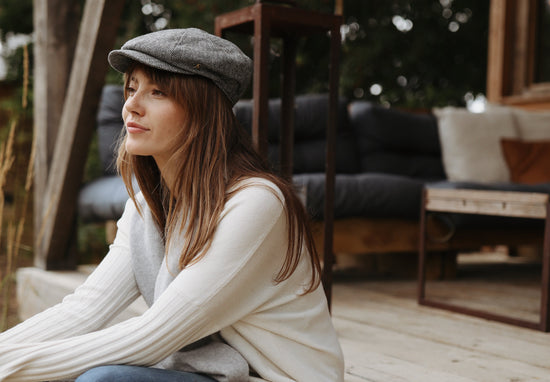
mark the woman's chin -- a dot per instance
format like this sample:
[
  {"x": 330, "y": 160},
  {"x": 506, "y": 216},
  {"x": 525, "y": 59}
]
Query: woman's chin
[{"x": 134, "y": 149}]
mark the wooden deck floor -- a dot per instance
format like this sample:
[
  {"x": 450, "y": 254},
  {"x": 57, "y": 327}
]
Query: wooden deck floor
[{"x": 387, "y": 337}]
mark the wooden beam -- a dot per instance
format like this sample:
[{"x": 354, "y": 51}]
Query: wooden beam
[
  {"x": 522, "y": 56},
  {"x": 511, "y": 56},
  {"x": 382, "y": 236},
  {"x": 496, "y": 58},
  {"x": 339, "y": 7},
  {"x": 96, "y": 37},
  {"x": 56, "y": 28}
]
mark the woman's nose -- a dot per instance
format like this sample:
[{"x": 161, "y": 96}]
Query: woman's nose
[{"x": 134, "y": 105}]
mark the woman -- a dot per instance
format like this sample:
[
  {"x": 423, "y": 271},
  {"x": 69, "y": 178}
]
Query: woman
[{"x": 218, "y": 246}]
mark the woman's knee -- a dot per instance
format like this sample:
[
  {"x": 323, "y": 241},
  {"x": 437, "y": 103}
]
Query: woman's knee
[
  {"x": 109, "y": 373},
  {"x": 126, "y": 373}
]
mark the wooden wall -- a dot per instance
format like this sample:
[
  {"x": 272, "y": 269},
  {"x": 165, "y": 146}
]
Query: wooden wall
[{"x": 511, "y": 55}]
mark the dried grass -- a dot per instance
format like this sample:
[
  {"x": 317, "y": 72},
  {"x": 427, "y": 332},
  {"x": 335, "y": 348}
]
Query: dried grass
[
  {"x": 14, "y": 230},
  {"x": 7, "y": 159}
]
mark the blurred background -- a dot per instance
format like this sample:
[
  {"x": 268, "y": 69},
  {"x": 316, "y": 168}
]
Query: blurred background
[
  {"x": 410, "y": 54},
  {"x": 407, "y": 53}
]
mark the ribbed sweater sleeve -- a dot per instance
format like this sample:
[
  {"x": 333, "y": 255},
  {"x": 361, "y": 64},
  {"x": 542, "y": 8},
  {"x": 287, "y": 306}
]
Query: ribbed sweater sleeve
[
  {"x": 106, "y": 292},
  {"x": 233, "y": 278}
]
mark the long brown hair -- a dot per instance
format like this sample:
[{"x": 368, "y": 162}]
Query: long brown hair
[{"x": 215, "y": 153}]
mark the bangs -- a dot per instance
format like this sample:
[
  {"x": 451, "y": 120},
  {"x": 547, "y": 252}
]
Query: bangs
[
  {"x": 166, "y": 81},
  {"x": 180, "y": 86}
]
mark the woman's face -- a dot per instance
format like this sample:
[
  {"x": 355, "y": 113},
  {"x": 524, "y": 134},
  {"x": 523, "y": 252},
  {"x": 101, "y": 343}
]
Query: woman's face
[{"x": 152, "y": 119}]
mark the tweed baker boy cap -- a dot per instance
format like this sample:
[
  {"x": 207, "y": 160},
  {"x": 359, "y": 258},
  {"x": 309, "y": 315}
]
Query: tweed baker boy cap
[{"x": 189, "y": 51}]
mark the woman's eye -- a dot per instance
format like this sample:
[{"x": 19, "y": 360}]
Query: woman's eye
[
  {"x": 130, "y": 90},
  {"x": 158, "y": 92}
]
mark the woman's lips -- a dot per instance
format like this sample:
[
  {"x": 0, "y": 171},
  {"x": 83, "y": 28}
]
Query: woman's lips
[{"x": 135, "y": 128}]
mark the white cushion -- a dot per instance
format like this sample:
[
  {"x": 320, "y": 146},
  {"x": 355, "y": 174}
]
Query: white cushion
[
  {"x": 470, "y": 143},
  {"x": 533, "y": 125}
]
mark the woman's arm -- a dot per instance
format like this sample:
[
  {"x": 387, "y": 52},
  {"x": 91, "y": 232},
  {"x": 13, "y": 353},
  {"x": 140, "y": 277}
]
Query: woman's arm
[
  {"x": 233, "y": 279},
  {"x": 105, "y": 293}
]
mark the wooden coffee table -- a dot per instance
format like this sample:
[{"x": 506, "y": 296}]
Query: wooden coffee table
[{"x": 483, "y": 202}]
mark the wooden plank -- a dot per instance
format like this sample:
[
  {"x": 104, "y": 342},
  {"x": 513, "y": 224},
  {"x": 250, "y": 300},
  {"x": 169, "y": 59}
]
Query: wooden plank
[
  {"x": 97, "y": 36},
  {"x": 350, "y": 377},
  {"x": 503, "y": 203},
  {"x": 356, "y": 235},
  {"x": 511, "y": 54},
  {"x": 56, "y": 28},
  {"x": 487, "y": 208},
  {"x": 497, "y": 65},
  {"x": 521, "y": 57},
  {"x": 387, "y": 337},
  {"x": 529, "y": 102},
  {"x": 385, "y": 304},
  {"x": 495, "y": 297},
  {"x": 425, "y": 359},
  {"x": 489, "y": 195},
  {"x": 378, "y": 366},
  {"x": 370, "y": 235}
]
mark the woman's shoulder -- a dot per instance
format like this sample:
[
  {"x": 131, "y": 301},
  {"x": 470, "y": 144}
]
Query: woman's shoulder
[
  {"x": 256, "y": 193},
  {"x": 258, "y": 187},
  {"x": 135, "y": 208}
]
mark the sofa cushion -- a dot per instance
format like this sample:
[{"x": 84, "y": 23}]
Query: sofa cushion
[
  {"x": 528, "y": 161},
  {"x": 310, "y": 124},
  {"x": 109, "y": 126},
  {"x": 102, "y": 199},
  {"x": 310, "y": 156},
  {"x": 396, "y": 142},
  {"x": 310, "y": 116},
  {"x": 470, "y": 143},
  {"x": 370, "y": 195}
]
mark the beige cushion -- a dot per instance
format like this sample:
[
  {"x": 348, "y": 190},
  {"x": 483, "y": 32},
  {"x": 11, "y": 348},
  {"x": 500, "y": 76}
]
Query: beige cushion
[
  {"x": 533, "y": 125},
  {"x": 470, "y": 143}
]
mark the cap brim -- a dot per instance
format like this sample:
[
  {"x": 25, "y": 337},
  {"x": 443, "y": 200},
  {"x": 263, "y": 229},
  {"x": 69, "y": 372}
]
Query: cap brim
[{"x": 122, "y": 59}]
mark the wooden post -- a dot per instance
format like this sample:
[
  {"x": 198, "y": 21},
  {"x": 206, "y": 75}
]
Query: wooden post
[
  {"x": 498, "y": 59},
  {"x": 288, "y": 85},
  {"x": 339, "y": 7},
  {"x": 56, "y": 28},
  {"x": 260, "y": 89},
  {"x": 58, "y": 210},
  {"x": 330, "y": 161}
]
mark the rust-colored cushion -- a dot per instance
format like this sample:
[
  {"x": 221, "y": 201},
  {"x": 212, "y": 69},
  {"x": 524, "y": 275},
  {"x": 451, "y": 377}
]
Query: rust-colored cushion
[{"x": 528, "y": 161}]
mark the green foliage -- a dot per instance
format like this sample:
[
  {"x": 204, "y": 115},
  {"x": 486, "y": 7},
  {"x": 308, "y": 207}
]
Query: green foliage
[
  {"x": 436, "y": 62},
  {"x": 91, "y": 243},
  {"x": 16, "y": 17}
]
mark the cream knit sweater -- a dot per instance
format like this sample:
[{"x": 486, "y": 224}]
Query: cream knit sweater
[{"x": 282, "y": 334}]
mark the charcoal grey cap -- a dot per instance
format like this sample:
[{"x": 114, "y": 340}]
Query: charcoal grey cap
[{"x": 189, "y": 51}]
